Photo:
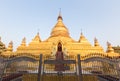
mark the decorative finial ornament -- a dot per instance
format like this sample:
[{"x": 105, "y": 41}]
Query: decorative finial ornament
[
  {"x": 38, "y": 34},
  {"x": 10, "y": 47},
  {"x": 95, "y": 39},
  {"x": 11, "y": 43},
  {"x": 81, "y": 32},
  {"x": 60, "y": 12},
  {"x": 108, "y": 44},
  {"x": 60, "y": 16},
  {"x": 24, "y": 40},
  {"x": 109, "y": 48},
  {"x": 81, "y": 37},
  {"x": 96, "y": 42},
  {"x": 37, "y": 38}
]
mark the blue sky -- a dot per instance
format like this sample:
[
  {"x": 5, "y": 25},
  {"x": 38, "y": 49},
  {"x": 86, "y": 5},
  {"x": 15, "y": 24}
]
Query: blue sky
[{"x": 96, "y": 18}]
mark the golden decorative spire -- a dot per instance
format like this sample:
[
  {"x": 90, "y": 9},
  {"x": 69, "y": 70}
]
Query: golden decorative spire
[
  {"x": 23, "y": 42},
  {"x": 96, "y": 42},
  {"x": 109, "y": 48},
  {"x": 10, "y": 47},
  {"x": 60, "y": 29},
  {"x": 37, "y": 38},
  {"x": 60, "y": 16},
  {"x": 82, "y": 37},
  {"x": 10, "y": 44},
  {"x": 2, "y": 46},
  {"x": 83, "y": 40}
]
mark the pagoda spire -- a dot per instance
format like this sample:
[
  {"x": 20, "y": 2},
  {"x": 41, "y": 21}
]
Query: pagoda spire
[
  {"x": 60, "y": 16},
  {"x": 23, "y": 42},
  {"x": 10, "y": 47},
  {"x": 96, "y": 42},
  {"x": 83, "y": 40},
  {"x": 109, "y": 48},
  {"x": 81, "y": 36},
  {"x": 36, "y": 39},
  {"x": 60, "y": 29},
  {"x": 2, "y": 46}
]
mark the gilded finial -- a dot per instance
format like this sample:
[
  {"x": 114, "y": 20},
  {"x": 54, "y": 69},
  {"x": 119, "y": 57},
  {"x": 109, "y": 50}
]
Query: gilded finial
[
  {"x": 37, "y": 33},
  {"x": 11, "y": 43},
  {"x": 109, "y": 48},
  {"x": 96, "y": 42},
  {"x": 60, "y": 12},
  {"x": 95, "y": 39},
  {"x": 108, "y": 44},
  {"x": 37, "y": 38},
  {"x": 81, "y": 37},
  {"x": 81, "y": 32},
  {"x": 10, "y": 46},
  {"x": 60, "y": 16},
  {"x": 23, "y": 42}
]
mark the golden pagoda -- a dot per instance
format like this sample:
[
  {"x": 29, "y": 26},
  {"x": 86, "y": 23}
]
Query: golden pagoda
[
  {"x": 2, "y": 47},
  {"x": 59, "y": 33}
]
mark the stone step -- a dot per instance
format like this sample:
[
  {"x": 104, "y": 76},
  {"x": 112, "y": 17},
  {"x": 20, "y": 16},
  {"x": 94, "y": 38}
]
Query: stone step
[{"x": 33, "y": 77}]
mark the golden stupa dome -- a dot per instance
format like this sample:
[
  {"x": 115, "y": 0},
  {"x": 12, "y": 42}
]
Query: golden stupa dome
[{"x": 59, "y": 29}]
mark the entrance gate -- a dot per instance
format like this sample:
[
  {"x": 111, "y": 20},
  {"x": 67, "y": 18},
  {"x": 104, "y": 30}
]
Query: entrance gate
[{"x": 68, "y": 73}]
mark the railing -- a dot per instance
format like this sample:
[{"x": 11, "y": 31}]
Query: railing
[
  {"x": 15, "y": 67},
  {"x": 12, "y": 77},
  {"x": 78, "y": 69}
]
